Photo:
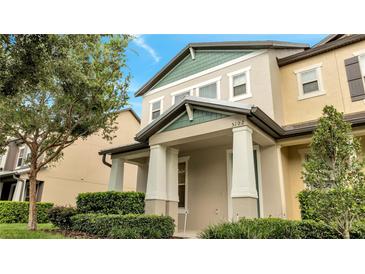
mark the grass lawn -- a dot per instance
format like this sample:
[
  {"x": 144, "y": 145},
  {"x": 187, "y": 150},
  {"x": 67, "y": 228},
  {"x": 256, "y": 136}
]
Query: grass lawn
[{"x": 20, "y": 231}]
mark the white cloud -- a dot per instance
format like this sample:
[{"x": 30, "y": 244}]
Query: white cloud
[{"x": 142, "y": 43}]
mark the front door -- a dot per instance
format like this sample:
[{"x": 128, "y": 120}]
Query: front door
[{"x": 256, "y": 158}]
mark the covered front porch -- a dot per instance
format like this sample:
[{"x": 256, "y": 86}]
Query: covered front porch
[{"x": 221, "y": 168}]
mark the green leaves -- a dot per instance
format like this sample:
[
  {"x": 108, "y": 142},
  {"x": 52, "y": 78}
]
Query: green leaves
[
  {"x": 55, "y": 89},
  {"x": 333, "y": 173},
  {"x": 333, "y": 156}
]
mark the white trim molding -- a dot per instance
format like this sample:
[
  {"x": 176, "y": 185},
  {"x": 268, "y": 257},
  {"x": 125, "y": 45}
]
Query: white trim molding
[
  {"x": 204, "y": 72},
  {"x": 359, "y": 52},
  {"x": 185, "y": 159},
  {"x": 248, "y": 84},
  {"x": 216, "y": 80},
  {"x": 173, "y": 94},
  {"x": 321, "y": 91},
  {"x": 151, "y": 103}
]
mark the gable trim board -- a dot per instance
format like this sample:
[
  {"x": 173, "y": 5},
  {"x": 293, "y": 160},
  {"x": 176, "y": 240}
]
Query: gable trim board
[
  {"x": 203, "y": 60},
  {"x": 199, "y": 116},
  {"x": 237, "y": 45},
  {"x": 207, "y": 71}
]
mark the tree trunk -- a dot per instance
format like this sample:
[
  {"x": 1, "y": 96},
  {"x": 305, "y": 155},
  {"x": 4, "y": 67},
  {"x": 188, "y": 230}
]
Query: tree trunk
[
  {"x": 32, "y": 221},
  {"x": 346, "y": 234}
]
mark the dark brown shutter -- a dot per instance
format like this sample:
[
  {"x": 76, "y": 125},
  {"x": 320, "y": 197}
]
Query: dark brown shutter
[{"x": 354, "y": 79}]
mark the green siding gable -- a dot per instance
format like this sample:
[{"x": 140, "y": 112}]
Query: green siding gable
[
  {"x": 199, "y": 117},
  {"x": 204, "y": 59}
]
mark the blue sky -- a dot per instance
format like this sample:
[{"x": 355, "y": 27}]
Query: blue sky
[{"x": 147, "y": 54}]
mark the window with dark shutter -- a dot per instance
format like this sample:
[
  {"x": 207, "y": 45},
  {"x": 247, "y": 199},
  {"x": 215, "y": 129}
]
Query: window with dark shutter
[{"x": 355, "y": 78}]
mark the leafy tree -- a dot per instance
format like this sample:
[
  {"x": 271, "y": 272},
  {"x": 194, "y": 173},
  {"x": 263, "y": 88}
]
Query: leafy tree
[
  {"x": 56, "y": 89},
  {"x": 333, "y": 170}
]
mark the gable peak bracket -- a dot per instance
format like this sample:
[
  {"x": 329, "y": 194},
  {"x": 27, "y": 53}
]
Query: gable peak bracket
[
  {"x": 189, "y": 110},
  {"x": 192, "y": 53}
]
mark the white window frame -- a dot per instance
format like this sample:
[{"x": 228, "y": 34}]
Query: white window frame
[
  {"x": 3, "y": 158},
  {"x": 25, "y": 156},
  {"x": 180, "y": 92},
  {"x": 359, "y": 54},
  {"x": 161, "y": 106},
  {"x": 183, "y": 210},
  {"x": 231, "y": 75},
  {"x": 208, "y": 82},
  {"x": 321, "y": 91}
]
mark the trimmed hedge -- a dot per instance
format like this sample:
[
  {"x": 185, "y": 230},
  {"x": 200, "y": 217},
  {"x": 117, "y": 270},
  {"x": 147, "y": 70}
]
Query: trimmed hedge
[
  {"x": 124, "y": 226},
  {"x": 270, "y": 228},
  {"x": 312, "y": 201},
  {"x": 111, "y": 202},
  {"x": 60, "y": 216},
  {"x": 17, "y": 212}
]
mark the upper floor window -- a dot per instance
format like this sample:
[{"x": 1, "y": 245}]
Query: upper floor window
[
  {"x": 239, "y": 85},
  {"x": 156, "y": 108},
  {"x": 177, "y": 97},
  {"x": 310, "y": 82},
  {"x": 210, "y": 89},
  {"x": 23, "y": 156}
]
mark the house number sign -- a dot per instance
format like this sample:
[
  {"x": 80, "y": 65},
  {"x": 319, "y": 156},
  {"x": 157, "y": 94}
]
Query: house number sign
[{"x": 238, "y": 123}]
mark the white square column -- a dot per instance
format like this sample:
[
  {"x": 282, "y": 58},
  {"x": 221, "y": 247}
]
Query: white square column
[
  {"x": 17, "y": 196},
  {"x": 156, "y": 194},
  {"x": 172, "y": 189},
  {"x": 243, "y": 193},
  {"x": 116, "y": 175}
]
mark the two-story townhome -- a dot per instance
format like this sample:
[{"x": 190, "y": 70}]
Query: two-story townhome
[
  {"x": 225, "y": 126},
  {"x": 80, "y": 170},
  {"x": 206, "y": 150}
]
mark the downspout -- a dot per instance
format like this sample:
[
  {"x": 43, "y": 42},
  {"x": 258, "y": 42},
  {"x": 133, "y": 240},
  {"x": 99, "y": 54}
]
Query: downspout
[{"x": 105, "y": 162}]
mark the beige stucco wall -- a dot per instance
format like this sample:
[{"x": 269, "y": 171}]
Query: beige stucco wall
[
  {"x": 81, "y": 169},
  {"x": 207, "y": 188},
  {"x": 263, "y": 78},
  {"x": 334, "y": 82},
  {"x": 292, "y": 168},
  {"x": 271, "y": 180}
]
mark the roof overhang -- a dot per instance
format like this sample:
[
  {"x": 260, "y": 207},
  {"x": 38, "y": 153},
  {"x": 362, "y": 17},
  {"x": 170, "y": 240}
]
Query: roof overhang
[
  {"x": 332, "y": 45},
  {"x": 242, "y": 45},
  {"x": 13, "y": 172},
  {"x": 253, "y": 113}
]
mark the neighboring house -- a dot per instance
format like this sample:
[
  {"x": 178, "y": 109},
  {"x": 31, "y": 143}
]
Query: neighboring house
[
  {"x": 225, "y": 126},
  {"x": 80, "y": 170}
]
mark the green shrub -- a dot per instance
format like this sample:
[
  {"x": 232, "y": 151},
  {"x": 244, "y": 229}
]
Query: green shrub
[
  {"x": 111, "y": 202},
  {"x": 308, "y": 200},
  {"x": 310, "y": 229},
  {"x": 124, "y": 233},
  {"x": 358, "y": 230},
  {"x": 312, "y": 203},
  {"x": 17, "y": 212},
  {"x": 60, "y": 216},
  {"x": 145, "y": 226},
  {"x": 269, "y": 228}
]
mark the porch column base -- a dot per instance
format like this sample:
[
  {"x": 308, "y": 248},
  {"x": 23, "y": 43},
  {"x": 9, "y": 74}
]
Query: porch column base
[
  {"x": 172, "y": 211},
  {"x": 155, "y": 207},
  {"x": 244, "y": 207}
]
